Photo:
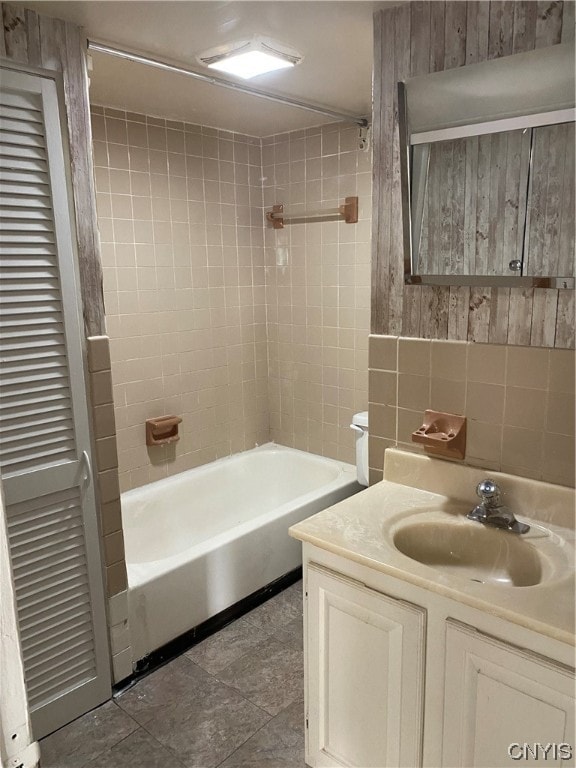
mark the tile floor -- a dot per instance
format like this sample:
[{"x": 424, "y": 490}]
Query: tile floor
[{"x": 234, "y": 700}]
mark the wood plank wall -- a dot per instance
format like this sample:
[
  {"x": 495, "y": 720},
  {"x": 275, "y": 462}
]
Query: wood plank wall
[
  {"x": 37, "y": 41},
  {"x": 414, "y": 39}
]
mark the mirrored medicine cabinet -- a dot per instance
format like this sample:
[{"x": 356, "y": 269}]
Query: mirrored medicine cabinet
[{"x": 487, "y": 170}]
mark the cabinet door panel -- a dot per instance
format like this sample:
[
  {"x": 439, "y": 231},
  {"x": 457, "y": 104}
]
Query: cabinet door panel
[
  {"x": 497, "y": 695},
  {"x": 365, "y": 673}
]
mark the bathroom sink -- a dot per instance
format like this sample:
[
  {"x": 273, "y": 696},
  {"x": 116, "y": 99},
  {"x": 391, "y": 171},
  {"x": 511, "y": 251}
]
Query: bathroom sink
[{"x": 473, "y": 551}]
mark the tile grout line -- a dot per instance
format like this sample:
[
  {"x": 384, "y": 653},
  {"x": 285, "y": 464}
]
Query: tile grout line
[
  {"x": 239, "y": 658},
  {"x": 264, "y": 725},
  {"x": 145, "y": 729},
  {"x": 236, "y": 691},
  {"x": 140, "y": 727}
]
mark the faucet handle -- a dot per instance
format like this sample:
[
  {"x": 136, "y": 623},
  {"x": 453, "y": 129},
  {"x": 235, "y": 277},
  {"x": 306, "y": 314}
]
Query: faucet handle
[{"x": 488, "y": 490}]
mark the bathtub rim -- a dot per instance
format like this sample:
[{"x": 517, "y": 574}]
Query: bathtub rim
[
  {"x": 141, "y": 573},
  {"x": 159, "y": 484}
]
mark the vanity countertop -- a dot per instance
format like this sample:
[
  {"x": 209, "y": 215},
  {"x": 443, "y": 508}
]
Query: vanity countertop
[{"x": 361, "y": 529}]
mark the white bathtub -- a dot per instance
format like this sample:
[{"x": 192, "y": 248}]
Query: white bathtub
[{"x": 198, "y": 542}]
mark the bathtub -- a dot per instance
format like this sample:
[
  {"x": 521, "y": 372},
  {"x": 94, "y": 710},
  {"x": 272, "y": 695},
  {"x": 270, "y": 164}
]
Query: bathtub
[{"x": 200, "y": 541}]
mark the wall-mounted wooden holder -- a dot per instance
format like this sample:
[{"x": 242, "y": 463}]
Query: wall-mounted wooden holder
[
  {"x": 443, "y": 434},
  {"x": 275, "y": 216},
  {"x": 348, "y": 211},
  {"x": 162, "y": 430}
]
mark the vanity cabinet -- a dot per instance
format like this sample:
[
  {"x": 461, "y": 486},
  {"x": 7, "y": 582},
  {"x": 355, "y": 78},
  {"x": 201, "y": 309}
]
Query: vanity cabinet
[
  {"x": 393, "y": 683},
  {"x": 496, "y": 696},
  {"x": 365, "y": 674}
]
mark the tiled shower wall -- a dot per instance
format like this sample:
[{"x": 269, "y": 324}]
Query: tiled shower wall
[
  {"x": 179, "y": 212},
  {"x": 248, "y": 333},
  {"x": 317, "y": 289}
]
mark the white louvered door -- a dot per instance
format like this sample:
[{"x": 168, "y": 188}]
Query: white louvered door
[{"x": 44, "y": 436}]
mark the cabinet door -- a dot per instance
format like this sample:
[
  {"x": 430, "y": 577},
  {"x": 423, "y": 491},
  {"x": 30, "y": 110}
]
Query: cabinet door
[
  {"x": 365, "y": 655},
  {"x": 498, "y": 696}
]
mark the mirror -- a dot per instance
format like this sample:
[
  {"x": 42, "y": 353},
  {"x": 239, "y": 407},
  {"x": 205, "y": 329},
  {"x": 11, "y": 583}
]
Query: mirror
[{"x": 488, "y": 172}]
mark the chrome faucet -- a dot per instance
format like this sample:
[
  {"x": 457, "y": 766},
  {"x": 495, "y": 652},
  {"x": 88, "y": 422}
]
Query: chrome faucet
[{"x": 491, "y": 511}]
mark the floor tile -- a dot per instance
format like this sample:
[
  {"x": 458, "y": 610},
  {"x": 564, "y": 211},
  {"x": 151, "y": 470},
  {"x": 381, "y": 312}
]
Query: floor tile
[
  {"x": 226, "y": 646},
  {"x": 139, "y": 750},
  {"x": 270, "y": 676},
  {"x": 279, "y": 744},
  {"x": 292, "y": 634},
  {"x": 190, "y": 712},
  {"x": 280, "y": 610},
  {"x": 86, "y": 738}
]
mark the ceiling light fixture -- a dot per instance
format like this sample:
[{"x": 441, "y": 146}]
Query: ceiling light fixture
[{"x": 250, "y": 58}]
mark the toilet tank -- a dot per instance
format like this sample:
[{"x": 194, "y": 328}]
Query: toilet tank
[{"x": 360, "y": 426}]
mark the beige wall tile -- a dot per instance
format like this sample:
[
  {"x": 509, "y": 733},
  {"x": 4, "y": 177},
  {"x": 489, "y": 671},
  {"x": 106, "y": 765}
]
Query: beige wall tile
[
  {"x": 448, "y": 396},
  {"x": 120, "y": 182},
  {"x": 560, "y": 413},
  {"x": 486, "y": 363},
  {"x": 116, "y": 579},
  {"x": 527, "y": 366},
  {"x": 116, "y": 131},
  {"x": 101, "y": 387},
  {"x": 488, "y": 464},
  {"x": 119, "y": 638},
  {"x": 414, "y": 356},
  {"x": 485, "y": 402},
  {"x": 559, "y": 460},
  {"x": 117, "y": 608},
  {"x": 383, "y": 353},
  {"x": 98, "y": 127},
  {"x": 98, "y": 353},
  {"x": 521, "y": 447},
  {"x": 106, "y": 453},
  {"x": 562, "y": 370},
  {"x": 118, "y": 156},
  {"x": 413, "y": 392},
  {"x": 375, "y": 476},
  {"x": 376, "y": 449},
  {"x": 122, "y": 665},
  {"x": 483, "y": 442},
  {"x": 111, "y": 517},
  {"x": 382, "y": 421},
  {"x": 448, "y": 360},
  {"x": 108, "y": 485},
  {"x": 525, "y": 407},
  {"x": 408, "y": 422},
  {"x": 137, "y": 135},
  {"x": 383, "y": 386},
  {"x": 114, "y": 548}
]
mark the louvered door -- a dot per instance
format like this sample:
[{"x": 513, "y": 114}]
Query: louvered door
[{"x": 44, "y": 437}]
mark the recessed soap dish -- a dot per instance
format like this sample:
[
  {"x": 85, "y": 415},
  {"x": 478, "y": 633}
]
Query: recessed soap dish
[
  {"x": 443, "y": 434},
  {"x": 162, "y": 430}
]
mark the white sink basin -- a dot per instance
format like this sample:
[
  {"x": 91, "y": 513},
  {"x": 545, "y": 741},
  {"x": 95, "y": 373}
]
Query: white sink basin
[
  {"x": 455, "y": 546},
  {"x": 472, "y": 551}
]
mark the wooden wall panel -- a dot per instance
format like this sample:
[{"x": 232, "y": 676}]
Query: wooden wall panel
[
  {"x": 423, "y": 37},
  {"x": 40, "y": 42}
]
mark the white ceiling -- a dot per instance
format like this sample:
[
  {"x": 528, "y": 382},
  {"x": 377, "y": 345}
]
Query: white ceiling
[{"x": 334, "y": 37}]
